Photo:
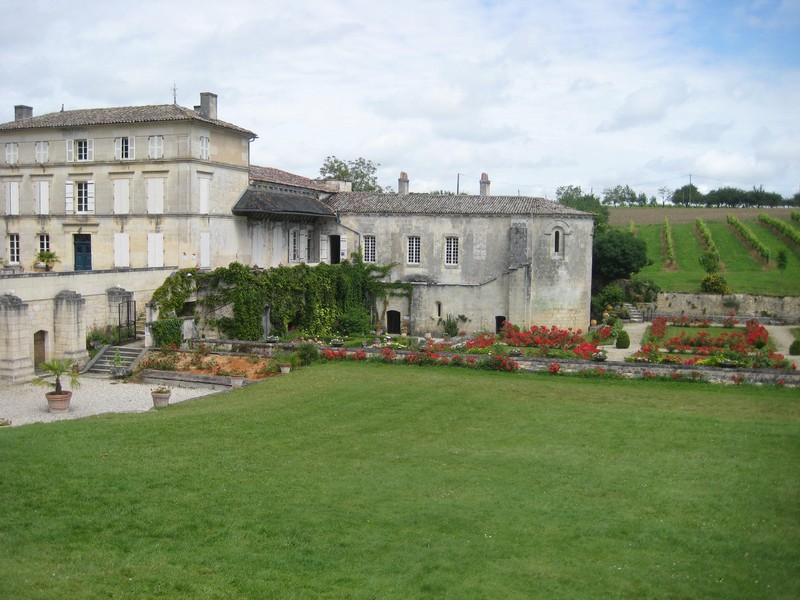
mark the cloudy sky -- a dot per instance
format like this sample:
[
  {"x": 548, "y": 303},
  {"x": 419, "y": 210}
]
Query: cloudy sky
[{"x": 537, "y": 93}]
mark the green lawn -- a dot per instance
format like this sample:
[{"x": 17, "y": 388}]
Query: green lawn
[{"x": 372, "y": 481}]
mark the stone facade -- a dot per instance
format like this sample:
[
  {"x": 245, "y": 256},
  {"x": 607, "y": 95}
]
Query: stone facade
[{"x": 125, "y": 196}]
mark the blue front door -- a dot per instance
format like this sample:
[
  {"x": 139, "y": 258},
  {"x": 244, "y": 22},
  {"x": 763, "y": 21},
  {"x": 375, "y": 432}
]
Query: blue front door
[{"x": 82, "y": 242}]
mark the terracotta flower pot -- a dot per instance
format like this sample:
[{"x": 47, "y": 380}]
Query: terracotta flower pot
[
  {"x": 160, "y": 400},
  {"x": 58, "y": 403}
]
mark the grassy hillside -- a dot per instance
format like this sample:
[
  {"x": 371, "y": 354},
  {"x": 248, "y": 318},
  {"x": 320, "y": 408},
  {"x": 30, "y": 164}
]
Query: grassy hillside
[
  {"x": 742, "y": 268},
  {"x": 373, "y": 481}
]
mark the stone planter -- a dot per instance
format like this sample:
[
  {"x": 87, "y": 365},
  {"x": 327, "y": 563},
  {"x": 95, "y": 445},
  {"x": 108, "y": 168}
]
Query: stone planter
[
  {"x": 160, "y": 399},
  {"x": 58, "y": 403},
  {"x": 237, "y": 381},
  {"x": 119, "y": 372},
  {"x": 285, "y": 369}
]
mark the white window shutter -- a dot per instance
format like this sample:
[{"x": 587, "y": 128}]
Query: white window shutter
[
  {"x": 155, "y": 249},
  {"x": 205, "y": 249},
  {"x": 155, "y": 196},
  {"x": 89, "y": 149},
  {"x": 323, "y": 248},
  {"x": 117, "y": 148},
  {"x": 131, "y": 147},
  {"x": 121, "y": 196},
  {"x": 205, "y": 184},
  {"x": 68, "y": 198},
  {"x": 90, "y": 197},
  {"x": 70, "y": 150},
  {"x": 303, "y": 245},
  {"x": 122, "y": 250},
  {"x": 12, "y": 197},
  {"x": 43, "y": 197},
  {"x": 343, "y": 255}
]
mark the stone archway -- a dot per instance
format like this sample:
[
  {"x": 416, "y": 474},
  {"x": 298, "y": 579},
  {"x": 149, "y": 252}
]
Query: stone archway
[{"x": 39, "y": 348}]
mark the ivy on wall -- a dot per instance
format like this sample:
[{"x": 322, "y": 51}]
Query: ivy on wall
[{"x": 315, "y": 301}]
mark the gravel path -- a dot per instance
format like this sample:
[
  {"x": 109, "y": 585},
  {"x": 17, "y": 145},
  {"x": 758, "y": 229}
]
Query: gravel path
[{"x": 25, "y": 403}]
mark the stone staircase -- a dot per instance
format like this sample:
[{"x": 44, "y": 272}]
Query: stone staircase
[
  {"x": 637, "y": 316},
  {"x": 103, "y": 363}
]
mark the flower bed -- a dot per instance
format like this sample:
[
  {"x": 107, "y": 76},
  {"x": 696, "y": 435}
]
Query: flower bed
[{"x": 747, "y": 347}]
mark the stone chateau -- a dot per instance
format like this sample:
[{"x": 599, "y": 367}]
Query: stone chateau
[{"x": 125, "y": 196}]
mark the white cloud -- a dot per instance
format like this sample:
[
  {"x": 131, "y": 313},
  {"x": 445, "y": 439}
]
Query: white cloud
[{"x": 536, "y": 94}]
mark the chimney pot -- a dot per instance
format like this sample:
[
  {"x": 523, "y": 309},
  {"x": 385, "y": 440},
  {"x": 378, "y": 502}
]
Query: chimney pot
[
  {"x": 402, "y": 183},
  {"x": 208, "y": 105},
  {"x": 22, "y": 112},
  {"x": 485, "y": 184}
]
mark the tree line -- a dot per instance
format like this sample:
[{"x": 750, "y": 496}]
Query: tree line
[{"x": 687, "y": 195}]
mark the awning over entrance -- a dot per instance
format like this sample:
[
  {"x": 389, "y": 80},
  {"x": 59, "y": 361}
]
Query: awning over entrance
[{"x": 264, "y": 203}]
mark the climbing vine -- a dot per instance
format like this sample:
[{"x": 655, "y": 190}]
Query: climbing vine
[
  {"x": 314, "y": 301},
  {"x": 170, "y": 297}
]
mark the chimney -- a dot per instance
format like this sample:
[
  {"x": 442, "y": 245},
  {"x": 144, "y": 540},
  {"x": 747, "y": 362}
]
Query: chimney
[
  {"x": 22, "y": 112},
  {"x": 402, "y": 183},
  {"x": 208, "y": 105},
  {"x": 485, "y": 184}
]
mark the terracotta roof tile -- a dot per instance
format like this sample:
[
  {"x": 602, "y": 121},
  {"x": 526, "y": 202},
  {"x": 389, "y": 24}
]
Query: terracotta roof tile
[
  {"x": 117, "y": 115},
  {"x": 270, "y": 175},
  {"x": 368, "y": 202}
]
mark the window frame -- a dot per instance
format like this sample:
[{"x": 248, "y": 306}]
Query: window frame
[
  {"x": 155, "y": 147},
  {"x": 205, "y": 147},
  {"x": 413, "y": 250},
  {"x": 125, "y": 148},
  {"x": 451, "y": 251},
  {"x": 11, "y": 190},
  {"x": 44, "y": 242},
  {"x": 42, "y": 152},
  {"x": 12, "y": 153},
  {"x": 370, "y": 249},
  {"x": 14, "y": 254}
]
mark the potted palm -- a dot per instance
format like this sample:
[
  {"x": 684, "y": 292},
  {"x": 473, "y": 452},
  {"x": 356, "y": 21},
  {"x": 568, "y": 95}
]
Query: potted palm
[
  {"x": 58, "y": 400},
  {"x": 45, "y": 259}
]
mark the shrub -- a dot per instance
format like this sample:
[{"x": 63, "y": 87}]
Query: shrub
[
  {"x": 308, "y": 353},
  {"x": 355, "y": 321},
  {"x": 623, "y": 340},
  {"x": 167, "y": 332},
  {"x": 794, "y": 349},
  {"x": 714, "y": 284}
]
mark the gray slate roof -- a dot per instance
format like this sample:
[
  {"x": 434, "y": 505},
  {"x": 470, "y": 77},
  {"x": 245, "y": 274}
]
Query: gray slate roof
[
  {"x": 432, "y": 204},
  {"x": 117, "y": 115},
  {"x": 270, "y": 202}
]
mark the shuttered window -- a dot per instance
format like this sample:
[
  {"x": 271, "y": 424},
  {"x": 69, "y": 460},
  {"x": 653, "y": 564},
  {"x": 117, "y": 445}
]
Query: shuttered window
[
  {"x": 12, "y": 197},
  {"x": 122, "y": 250}
]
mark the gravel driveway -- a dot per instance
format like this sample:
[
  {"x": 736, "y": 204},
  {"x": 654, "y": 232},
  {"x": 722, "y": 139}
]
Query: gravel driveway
[{"x": 25, "y": 403}]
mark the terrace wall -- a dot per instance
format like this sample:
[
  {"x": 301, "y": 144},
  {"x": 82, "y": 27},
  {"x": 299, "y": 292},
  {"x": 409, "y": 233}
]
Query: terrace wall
[{"x": 785, "y": 309}]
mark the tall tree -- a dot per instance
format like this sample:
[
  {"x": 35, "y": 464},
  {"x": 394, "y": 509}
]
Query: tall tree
[
  {"x": 573, "y": 196},
  {"x": 687, "y": 195},
  {"x": 361, "y": 172},
  {"x": 616, "y": 254},
  {"x": 620, "y": 194}
]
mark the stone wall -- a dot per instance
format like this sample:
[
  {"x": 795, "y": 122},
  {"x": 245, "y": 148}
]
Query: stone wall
[{"x": 784, "y": 309}]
